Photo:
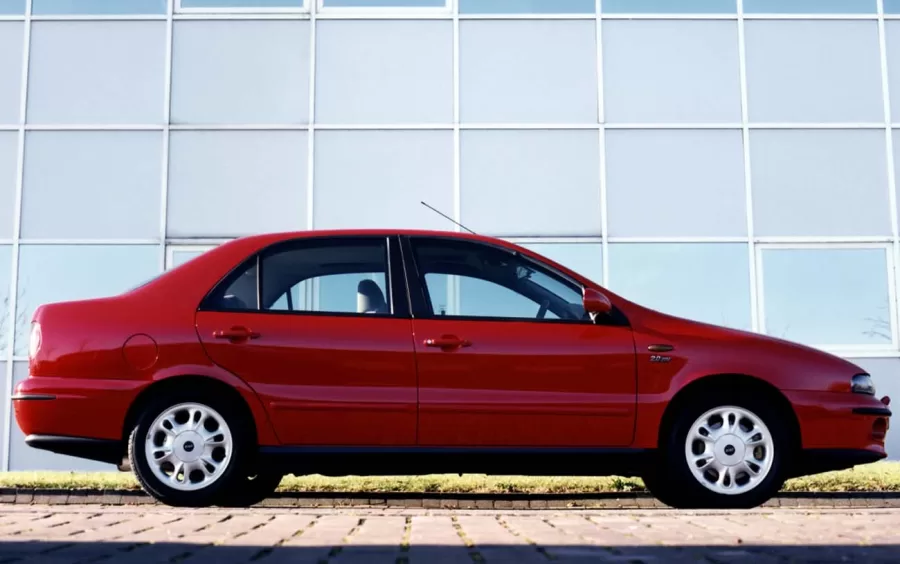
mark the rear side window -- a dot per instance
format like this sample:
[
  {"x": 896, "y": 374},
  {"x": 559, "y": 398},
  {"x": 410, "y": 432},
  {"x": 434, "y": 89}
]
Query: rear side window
[{"x": 320, "y": 276}]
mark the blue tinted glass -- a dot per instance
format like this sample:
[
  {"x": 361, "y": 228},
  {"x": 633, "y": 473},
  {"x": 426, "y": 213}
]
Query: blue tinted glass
[
  {"x": 827, "y": 296},
  {"x": 669, "y": 6},
  {"x": 12, "y": 7},
  {"x": 385, "y": 3},
  {"x": 242, "y": 3},
  {"x": 338, "y": 293},
  {"x": 46, "y": 7},
  {"x": 53, "y": 273},
  {"x": 526, "y": 6},
  {"x": 892, "y": 6},
  {"x": 5, "y": 281},
  {"x": 704, "y": 282},
  {"x": 584, "y": 258},
  {"x": 810, "y": 6},
  {"x": 181, "y": 257}
]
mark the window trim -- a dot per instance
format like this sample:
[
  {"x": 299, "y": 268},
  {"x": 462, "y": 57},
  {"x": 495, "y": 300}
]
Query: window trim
[
  {"x": 421, "y": 304},
  {"x": 394, "y": 280},
  {"x": 304, "y": 9},
  {"x": 840, "y": 349},
  {"x": 353, "y": 11}
]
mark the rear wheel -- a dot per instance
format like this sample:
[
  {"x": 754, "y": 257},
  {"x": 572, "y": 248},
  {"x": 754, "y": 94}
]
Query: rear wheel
[
  {"x": 724, "y": 450},
  {"x": 190, "y": 448}
]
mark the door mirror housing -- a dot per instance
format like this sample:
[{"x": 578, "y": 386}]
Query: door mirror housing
[{"x": 596, "y": 303}]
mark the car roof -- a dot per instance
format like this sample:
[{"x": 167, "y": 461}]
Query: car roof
[{"x": 373, "y": 232}]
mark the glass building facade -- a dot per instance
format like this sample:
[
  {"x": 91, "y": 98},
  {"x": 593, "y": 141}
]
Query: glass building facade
[{"x": 732, "y": 161}]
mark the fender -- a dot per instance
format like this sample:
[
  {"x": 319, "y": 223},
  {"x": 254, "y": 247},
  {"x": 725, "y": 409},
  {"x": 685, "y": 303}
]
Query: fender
[{"x": 265, "y": 432}]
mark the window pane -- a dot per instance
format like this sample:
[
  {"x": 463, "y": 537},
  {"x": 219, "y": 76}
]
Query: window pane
[
  {"x": 112, "y": 72},
  {"x": 180, "y": 256},
  {"x": 819, "y": 182},
  {"x": 892, "y": 6},
  {"x": 811, "y": 6},
  {"x": 385, "y": 3},
  {"x": 52, "y": 273},
  {"x": 42, "y": 7},
  {"x": 528, "y": 71},
  {"x": 258, "y": 72},
  {"x": 242, "y": 3},
  {"x": 704, "y": 282},
  {"x": 813, "y": 71},
  {"x": 473, "y": 280},
  {"x": 9, "y": 158},
  {"x": 234, "y": 183},
  {"x": 391, "y": 172},
  {"x": 663, "y": 183},
  {"x": 585, "y": 259},
  {"x": 669, "y": 6},
  {"x": 92, "y": 184},
  {"x": 342, "y": 277},
  {"x": 827, "y": 296},
  {"x": 12, "y": 41},
  {"x": 5, "y": 282},
  {"x": 380, "y": 72},
  {"x": 526, "y": 6},
  {"x": 555, "y": 176},
  {"x": 12, "y": 7},
  {"x": 671, "y": 71}
]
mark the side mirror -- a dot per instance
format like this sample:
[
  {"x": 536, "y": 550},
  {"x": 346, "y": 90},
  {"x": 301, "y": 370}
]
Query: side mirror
[{"x": 595, "y": 302}]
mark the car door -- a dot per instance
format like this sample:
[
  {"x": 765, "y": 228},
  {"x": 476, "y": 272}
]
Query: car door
[
  {"x": 507, "y": 356},
  {"x": 314, "y": 327}
]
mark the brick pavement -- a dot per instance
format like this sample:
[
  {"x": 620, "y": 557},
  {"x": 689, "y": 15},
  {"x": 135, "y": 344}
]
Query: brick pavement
[{"x": 136, "y": 535}]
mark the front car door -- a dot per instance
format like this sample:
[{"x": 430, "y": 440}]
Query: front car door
[
  {"x": 507, "y": 356},
  {"x": 316, "y": 327}
]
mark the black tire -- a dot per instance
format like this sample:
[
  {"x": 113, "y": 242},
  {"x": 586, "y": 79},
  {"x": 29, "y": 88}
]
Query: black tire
[
  {"x": 251, "y": 490},
  {"x": 673, "y": 483},
  {"x": 243, "y": 449}
]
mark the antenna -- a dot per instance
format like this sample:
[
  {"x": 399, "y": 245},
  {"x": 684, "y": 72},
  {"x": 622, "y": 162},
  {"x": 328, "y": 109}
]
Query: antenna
[{"x": 450, "y": 218}]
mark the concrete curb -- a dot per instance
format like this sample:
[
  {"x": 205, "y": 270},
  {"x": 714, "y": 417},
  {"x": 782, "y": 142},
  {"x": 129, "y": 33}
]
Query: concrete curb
[{"x": 638, "y": 500}]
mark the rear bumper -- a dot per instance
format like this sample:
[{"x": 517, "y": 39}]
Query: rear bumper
[{"x": 73, "y": 407}]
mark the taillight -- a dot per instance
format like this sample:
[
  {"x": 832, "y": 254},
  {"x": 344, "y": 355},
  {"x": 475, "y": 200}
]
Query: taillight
[{"x": 34, "y": 341}]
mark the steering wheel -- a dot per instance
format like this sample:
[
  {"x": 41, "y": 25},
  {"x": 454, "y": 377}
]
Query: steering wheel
[{"x": 543, "y": 309}]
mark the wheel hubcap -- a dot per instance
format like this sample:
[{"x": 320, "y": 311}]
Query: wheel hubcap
[
  {"x": 189, "y": 446},
  {"x": 729, "y": 450}
]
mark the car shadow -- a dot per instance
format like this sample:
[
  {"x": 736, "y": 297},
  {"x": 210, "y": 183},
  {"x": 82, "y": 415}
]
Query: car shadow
[{"x": 62, "y": 552}]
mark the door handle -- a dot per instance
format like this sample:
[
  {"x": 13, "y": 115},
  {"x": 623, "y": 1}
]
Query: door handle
[
  {"x": 236, "y": 334},
  {"x": 448, "y": 342}
]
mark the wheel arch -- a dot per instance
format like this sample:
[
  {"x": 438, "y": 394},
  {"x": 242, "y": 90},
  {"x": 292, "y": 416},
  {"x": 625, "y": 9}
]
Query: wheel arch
[
  {"x": 190, "y": 381},
  {"x": 742, "y": 383}
]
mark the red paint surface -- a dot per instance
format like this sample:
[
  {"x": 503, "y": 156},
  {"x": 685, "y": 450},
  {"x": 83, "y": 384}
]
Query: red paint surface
[{"x": 330, "y": 380}]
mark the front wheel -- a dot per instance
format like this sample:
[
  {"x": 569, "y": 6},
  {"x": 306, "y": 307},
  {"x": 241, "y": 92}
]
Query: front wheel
[
  {"x": 723, "y": 452},
  {"x": 190, "y": 450}
]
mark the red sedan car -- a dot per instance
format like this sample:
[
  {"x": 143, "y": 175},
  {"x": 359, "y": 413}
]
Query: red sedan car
[{"x": 412, "y": 352}]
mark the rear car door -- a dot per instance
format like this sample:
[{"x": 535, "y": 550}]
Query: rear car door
[
  {"x": 507, "y": 356},
  {"x": 316, "y": 327}
]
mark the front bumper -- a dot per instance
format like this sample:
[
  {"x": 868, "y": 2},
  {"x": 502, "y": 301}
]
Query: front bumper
[{"x": 839, "y": 430}]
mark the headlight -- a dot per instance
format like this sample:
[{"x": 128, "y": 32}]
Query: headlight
[{"x": 862, "y": 384}]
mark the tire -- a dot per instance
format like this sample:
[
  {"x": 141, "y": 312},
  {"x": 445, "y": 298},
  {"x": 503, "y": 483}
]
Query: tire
[
  {"x": 763, "y": 440},
  {"x": 251, "y": 490},
  {"x": 165, "y": 426}
]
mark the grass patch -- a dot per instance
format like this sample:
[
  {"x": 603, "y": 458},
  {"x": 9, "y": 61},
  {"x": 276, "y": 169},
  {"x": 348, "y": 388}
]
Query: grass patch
[{"x": 880, "y": 476}]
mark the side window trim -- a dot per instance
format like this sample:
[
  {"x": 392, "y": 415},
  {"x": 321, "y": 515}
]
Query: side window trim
[
  {"x": 421, "y": 302},
  {"x": 396, "y": 286}
]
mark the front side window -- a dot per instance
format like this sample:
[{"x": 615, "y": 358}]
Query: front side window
[
  {"x": 463, "y": 279},
  {"x": 340, "y": 277}
]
